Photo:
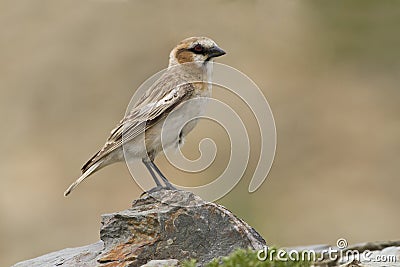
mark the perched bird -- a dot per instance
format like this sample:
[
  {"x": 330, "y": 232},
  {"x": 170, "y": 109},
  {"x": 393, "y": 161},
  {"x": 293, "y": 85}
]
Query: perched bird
[{"x": 187, "y": 77}]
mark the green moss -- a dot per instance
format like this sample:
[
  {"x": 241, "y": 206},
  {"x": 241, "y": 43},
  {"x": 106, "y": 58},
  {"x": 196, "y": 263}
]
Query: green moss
[{"x": 248, "y": 258}]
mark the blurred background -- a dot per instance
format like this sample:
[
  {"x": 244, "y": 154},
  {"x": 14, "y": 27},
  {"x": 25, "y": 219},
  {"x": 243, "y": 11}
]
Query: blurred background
[{"x": 329, "y": 69}]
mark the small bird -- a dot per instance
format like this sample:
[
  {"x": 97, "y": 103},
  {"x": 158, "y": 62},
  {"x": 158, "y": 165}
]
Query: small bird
[{"x": 188, "y": 77}]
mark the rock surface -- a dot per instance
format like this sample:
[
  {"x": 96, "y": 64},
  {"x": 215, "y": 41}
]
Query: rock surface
[
  {"x": 170, "y": 226},
  {"x": 175, "y": 225}
]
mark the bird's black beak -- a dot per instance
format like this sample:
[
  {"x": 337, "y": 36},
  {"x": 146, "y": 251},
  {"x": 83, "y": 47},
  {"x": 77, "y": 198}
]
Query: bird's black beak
[{"x": 215, "y": 52}]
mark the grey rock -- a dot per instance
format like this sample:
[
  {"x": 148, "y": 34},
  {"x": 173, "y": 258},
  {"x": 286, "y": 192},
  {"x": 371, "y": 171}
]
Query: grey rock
[
  {"x": 162, "y": 263},
  {"x": 80, "y": 256},
  {"x": 169, "y": 224}
]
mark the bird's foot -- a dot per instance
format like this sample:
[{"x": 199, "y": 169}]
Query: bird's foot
[
  {"x": 169, "y": 186},
  {"x": 158, "y": 188}
]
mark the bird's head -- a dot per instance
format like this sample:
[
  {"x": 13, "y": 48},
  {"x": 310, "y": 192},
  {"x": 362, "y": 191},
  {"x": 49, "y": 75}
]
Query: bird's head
[{"x": 199, "y": 50}]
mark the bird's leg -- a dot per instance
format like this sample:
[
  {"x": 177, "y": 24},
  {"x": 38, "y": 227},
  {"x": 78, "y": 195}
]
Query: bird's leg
[
  {"x": 168, "y": 185},
  {"x": 153, "y": 175},
  {"x": 148, "y": 165}
]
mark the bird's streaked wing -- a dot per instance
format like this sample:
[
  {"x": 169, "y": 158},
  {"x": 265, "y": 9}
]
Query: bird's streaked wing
[{"x": 154, "y": 106}]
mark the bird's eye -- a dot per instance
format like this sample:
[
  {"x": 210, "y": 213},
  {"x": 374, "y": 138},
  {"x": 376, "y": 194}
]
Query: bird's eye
[{"x": 198, "y": 48}]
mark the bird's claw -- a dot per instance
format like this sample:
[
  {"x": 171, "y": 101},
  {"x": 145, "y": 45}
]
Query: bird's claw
[{"x": 158, "y": 188}]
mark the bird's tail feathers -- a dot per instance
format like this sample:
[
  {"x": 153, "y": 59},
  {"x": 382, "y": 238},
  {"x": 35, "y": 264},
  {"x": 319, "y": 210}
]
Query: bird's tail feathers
[{"x": 84, "y": 175}]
